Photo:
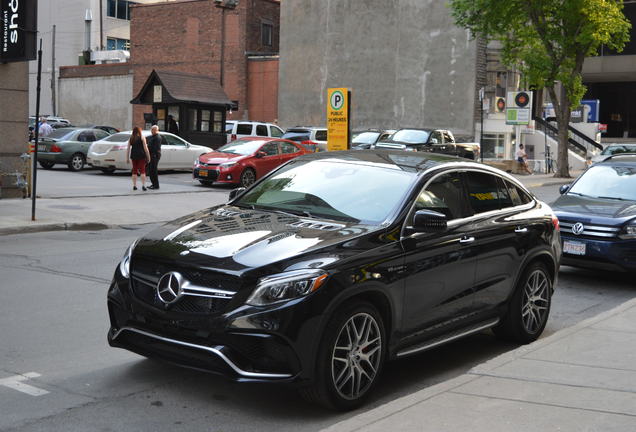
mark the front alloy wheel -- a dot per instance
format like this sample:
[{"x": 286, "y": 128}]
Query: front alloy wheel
[
  {"x": 350, "y": 358},
  {"x": 248, "y": 177}
]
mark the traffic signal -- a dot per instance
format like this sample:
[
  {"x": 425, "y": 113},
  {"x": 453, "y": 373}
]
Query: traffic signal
[{"x": 500, "y": 105}]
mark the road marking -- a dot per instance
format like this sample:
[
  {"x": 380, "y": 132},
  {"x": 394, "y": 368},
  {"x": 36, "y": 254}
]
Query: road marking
[{"x": 16, "y": 382}]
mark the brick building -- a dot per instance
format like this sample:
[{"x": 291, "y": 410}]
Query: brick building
[{"x": 215, "y": 38}]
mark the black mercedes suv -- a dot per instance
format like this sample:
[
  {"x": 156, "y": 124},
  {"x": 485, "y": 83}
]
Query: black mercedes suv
[{"x": 335, "y": 263}]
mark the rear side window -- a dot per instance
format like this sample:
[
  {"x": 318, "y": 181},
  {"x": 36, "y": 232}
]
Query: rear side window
[
  {"x": 229, "y": 127},
  {"x": 276, "y": 132},
  {"x": 288, "y": 148},
  {"x": 321, "y": 135},
  {"x": 444, "y": 195},
  {"x": 483, "y": 193},
  {"x": 119, "y": 137},
  {"x": 261, "y": 130},
  {"x": 296, "y": 136},
  {"x": 86, "y": 136},
  {"x": 505, "y": 200},
  {"x": 517, "y": 195},
  {"x": 244, "y": 129}
]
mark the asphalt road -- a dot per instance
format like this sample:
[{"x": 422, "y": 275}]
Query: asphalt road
[{"x": 57, "y": 372}]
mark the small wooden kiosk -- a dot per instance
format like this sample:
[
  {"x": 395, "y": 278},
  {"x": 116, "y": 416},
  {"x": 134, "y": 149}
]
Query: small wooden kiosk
[{"x": 191, "y": 106}]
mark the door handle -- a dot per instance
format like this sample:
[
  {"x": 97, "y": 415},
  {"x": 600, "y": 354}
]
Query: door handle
[
  {"x": 520, "y": 230},
  {"x": 466, "y": 240}
]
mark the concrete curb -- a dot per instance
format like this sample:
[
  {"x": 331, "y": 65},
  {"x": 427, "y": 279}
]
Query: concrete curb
[
  {"x": 85, "y": 226},
  {"x": 361, "y": 421}
]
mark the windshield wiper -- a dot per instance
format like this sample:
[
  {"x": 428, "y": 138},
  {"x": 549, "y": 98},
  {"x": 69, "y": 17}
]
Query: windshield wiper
[
  {"x": 612, "y": 198},
  {"x": 579, "y": 194}
]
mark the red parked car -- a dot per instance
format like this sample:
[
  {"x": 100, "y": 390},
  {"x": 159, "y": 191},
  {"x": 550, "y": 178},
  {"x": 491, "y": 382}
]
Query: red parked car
[{"x": 245, "y": 160}]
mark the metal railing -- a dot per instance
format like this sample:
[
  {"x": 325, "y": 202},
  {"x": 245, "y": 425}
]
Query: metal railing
[{"x": 578, "y": 142}]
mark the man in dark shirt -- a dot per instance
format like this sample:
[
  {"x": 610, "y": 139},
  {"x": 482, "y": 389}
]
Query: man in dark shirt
[{"x": 154, "y": 147}]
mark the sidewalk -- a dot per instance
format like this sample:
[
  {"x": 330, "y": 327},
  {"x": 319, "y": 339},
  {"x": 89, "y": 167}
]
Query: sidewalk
[{"x": 582, "y": 378}]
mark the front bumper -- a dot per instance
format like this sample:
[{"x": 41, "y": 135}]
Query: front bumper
[
  {"x": 241, "y": 343},
  {"x": 614, "y": 254}
]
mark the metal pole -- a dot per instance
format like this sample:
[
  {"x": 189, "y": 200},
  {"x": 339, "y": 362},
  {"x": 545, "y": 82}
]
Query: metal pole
[
  {"x": 481, "y": 128},
  {"x": 101, "y": 24},
  {"x": 34, "y": 170},
  {"x": 53, "y": 104}
]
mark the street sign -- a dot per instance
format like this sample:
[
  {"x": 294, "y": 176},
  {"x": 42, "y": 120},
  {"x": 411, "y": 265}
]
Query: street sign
[
  {"x": 602, "y": 127},
  {"x": 338, "y": 119},
  {"x": 517, "y": 116},
  {"x": 18, "y": 30}
]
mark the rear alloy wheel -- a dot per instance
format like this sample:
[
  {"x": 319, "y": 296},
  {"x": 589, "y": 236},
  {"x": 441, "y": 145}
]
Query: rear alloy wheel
[
  {"x": 350, "y": 359},
  {"x": 46, "y": 164},
  {"x": 248, "y": 177},
  {"x": 77, "y": 162},
  {"x": 529, "y": 307}
]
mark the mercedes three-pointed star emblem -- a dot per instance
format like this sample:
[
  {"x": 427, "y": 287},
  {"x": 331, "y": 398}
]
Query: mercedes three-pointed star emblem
[{"x": 169, "y": 287}]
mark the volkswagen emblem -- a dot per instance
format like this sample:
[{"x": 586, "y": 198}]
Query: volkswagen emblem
[
  {"x": 578, "y": 228},
  {"x": 169, "y": 287}
]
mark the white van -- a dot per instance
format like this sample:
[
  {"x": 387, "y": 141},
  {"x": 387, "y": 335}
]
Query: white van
[{"x": 235, "y": 129}]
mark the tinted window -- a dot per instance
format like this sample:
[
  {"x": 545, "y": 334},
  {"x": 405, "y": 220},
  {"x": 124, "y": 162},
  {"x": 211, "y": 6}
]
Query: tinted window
[
  {"x": 444, "y": 195},
  {"x": 100, "y": 134},
  {"x": 86, "y": 136},
  {"x": 229, "y": 127},
  {"x": 321, "y": 135},
  {"x": 261, "y": 130},
  {"x": 483, "y": 193},
  {"x": 448, "y": 137},
  {"x": 288, "y": 148},
  {"x": 271, "y": 149},
  {"x": 296, "y": 136},
  {"x": 276, "y": 132},
  {"x": 517, "y": 195},
  {"x": 437, "y": 135},
  {"x": 244, "y": 129},
  {"x": 504, "y": 195}
]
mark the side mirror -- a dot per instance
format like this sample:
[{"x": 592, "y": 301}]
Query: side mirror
[
  {"x": 236, "y": 192},
  {"x": 429, "y": 221},
  {"x": 564, "y": 188}
]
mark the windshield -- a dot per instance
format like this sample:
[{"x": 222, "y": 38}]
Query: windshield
[
  {"x": 118, "y": 137},
  {"x": 607, "y": 181},
  {"x": 410, "y": 136},
  {"x": 241, "y": 147},
  {"x": 333, "y": 189},
  {"x": 365, "y": 137},
  {"x": 610, "y": 150},
  {"x": 61, "y": 134}
]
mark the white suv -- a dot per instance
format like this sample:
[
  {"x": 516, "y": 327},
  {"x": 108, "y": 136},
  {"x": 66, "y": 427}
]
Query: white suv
[{"x": 236, "y": 129}]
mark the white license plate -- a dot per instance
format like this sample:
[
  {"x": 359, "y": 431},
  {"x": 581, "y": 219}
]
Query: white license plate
[
  {"x": 203, "y": 173},
  {"x": 42, "y": 148},
  {"x": 574, "y": 248}
]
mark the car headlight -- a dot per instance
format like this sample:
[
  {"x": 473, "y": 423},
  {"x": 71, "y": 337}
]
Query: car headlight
[
  {"x": 629, "y": 231},
  {"x": 227, "y": 164},
  {"x": 124, "y": 265},
  {"x": 286, "y": 286}
]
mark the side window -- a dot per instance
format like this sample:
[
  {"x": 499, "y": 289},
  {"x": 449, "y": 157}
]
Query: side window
[
  {"x": 444, "y": 195},
  {"x": 505, "y": 200},
  {"x": 517, "y": 195},
  {"x": 321, "y": 135},
  {"x": 86, "y": 136},
  {"x": 261, "y": 130},
  {"x": 483, "y": 193},
  {"x": 163, "y": 140},
  {"x": 170, "y": 140},
  {"x": 271, "y": 149},
  {"x": 229, "y": 127},
  {"x": 244, "y": 129},
  {"x": 436, "y": 135},
  {"x": 448, "y": 138},
  {"x": 275, "y": 132},
  {"x": 288, "y": 148},
  {"x": 100, "y": 134}
]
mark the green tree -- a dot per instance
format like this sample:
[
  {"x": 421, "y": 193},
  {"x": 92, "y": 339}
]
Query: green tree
[{"x": 548, "y": 41}]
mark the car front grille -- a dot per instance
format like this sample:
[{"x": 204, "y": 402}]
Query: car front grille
[
  {"x": 589, "y": 231},
  {"x": 189, "y": 304}
]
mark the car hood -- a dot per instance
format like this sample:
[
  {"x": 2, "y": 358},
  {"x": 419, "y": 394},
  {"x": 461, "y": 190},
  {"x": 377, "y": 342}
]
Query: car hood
[
  {"x": 234, "y": 240},
  {"x": 219, "y": 157},
  {"x": 597, "y": 210}
]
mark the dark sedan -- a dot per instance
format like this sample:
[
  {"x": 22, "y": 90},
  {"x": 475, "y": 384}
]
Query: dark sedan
[
  {"x": 598, "y": 216},
  {"x": 335, "y": 263}
]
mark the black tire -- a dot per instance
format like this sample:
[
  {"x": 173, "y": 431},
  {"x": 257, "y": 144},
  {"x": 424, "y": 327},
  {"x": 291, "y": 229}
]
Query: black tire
[
  {"x": 333, "y": 386},
  {"x": 248, "y": 177},
  {"x": 77, "y": 162},
  {"x": 108, "y": 170},
  {"x": 206, "y": 182},
  {"x": 46, "y": 164},
  {"x": 529, "y": 307}
]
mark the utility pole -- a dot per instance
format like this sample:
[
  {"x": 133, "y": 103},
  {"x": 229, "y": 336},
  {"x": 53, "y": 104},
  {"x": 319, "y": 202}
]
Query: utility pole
[
  {"x": 34, "y": 155},
  {"x": 53, "y": 105},
  {"x": 101, "y": 24}
]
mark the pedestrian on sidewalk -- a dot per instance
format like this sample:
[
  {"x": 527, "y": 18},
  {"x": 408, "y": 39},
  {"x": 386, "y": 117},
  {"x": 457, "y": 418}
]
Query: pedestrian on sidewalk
[
  {"x": 137, "y": 151},
  {"x": 154, "y": 147},
  {"x": 522, "y": 158},
  {"x": 44, "y": 129},
  {"x": 173, "y": 126}
]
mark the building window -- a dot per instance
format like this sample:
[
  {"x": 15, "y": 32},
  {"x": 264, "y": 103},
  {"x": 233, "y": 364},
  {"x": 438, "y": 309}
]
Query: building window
[
  {"x": 267, "y": 31},
  {"x": 493, "y": 146},
  {"x": 119, "y": 9},
  {"x": 117, "y": 44}
]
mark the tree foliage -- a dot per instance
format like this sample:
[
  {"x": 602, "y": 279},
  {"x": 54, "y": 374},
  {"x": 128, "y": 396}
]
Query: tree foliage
[{"x": 548, "y": 41}]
